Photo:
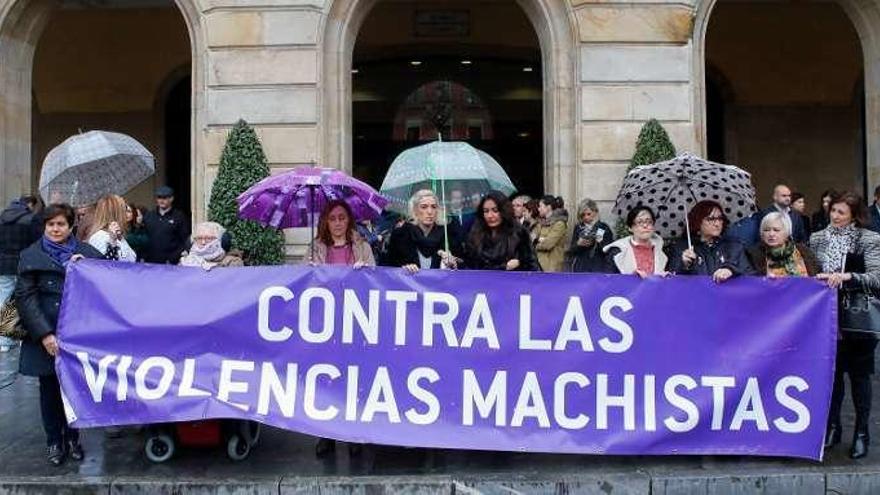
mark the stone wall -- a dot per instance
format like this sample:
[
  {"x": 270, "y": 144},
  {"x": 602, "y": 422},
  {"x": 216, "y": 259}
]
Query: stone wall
[{"x": 281, "y": 65}]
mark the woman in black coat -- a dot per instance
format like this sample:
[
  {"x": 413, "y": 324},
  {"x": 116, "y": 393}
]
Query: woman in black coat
[
  {"x": 712, "y": 254},
  {"x": 421, "y": 244},
  {"x": 497, "y": 241},
  {"x": 41, "y": 271},
  {"x": 588, "y": 240}
]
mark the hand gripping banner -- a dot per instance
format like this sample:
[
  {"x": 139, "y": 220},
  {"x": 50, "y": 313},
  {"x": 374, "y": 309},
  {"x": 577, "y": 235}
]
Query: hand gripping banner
[{"x": 534, "y": 362}]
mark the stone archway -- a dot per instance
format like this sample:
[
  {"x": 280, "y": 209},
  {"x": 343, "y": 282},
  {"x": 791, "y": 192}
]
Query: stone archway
[
  {"x": 22, "y": 23},
  {"x": 865, "y": 18},
  {"x": 554, "y": 24}
]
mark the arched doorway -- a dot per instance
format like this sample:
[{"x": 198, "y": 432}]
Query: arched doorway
[
  {"x": 551, "y": 21},
  {"x": 67, "y": 66},
  {"x": 796, "y": 70},
  {"x": 448, "y": 73}
]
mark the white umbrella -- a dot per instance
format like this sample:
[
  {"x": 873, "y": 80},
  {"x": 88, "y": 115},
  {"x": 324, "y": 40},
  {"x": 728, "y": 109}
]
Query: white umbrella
[{"x": 87, "y": 166}]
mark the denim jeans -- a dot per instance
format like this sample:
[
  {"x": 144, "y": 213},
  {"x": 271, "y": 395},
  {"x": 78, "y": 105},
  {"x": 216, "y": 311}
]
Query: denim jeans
[{"x": 7, "y": 286}]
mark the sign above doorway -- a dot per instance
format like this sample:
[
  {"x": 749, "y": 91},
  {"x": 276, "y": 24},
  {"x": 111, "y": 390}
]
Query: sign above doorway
[{"x": 442, "y": 23}]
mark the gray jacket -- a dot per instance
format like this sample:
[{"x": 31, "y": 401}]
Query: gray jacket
[{"x": 864, "y": 263}]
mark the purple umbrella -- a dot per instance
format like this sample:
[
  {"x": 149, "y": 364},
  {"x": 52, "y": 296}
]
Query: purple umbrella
[{"x": 292, "y": 199}]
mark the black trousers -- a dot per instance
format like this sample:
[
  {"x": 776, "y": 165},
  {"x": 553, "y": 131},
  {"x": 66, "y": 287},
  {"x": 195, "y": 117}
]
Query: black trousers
[
  {"x": 52, "y": 411},
  {"x": 855, "y": 357}
]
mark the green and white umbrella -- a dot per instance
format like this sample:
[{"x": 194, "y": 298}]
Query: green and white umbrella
[{"x": 445, "y": 167}]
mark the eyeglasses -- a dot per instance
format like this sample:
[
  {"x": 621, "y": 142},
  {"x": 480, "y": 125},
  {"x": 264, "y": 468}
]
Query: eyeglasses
[
  {"x": 644, "y": 222},
  {"x": 714, "y": 219}
]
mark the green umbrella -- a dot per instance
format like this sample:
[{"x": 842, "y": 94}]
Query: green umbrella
[
  {"x": 444, "y": 167},
  {"x": 454, "y": 165}
]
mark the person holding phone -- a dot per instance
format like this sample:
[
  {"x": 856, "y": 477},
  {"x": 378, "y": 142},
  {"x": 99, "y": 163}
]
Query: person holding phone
[{"x": 589, "y": 238}]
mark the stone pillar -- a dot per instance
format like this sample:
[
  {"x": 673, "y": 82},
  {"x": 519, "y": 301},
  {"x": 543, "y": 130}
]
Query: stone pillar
[{"x": 635, "y": 64}]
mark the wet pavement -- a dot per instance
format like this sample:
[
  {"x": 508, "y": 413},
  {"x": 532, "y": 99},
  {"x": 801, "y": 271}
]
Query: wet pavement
[{"x": 285, "y": 462}]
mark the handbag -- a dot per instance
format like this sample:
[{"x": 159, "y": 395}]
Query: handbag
[
  {"x": 858, "y": 310},
  {"x": 10, "y": 323}
]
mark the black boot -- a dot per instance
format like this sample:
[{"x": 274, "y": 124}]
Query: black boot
[
  {"x": 832, "y": 435},
  {"x": 861, "y": 440},
  {"x": 75, "y": 450},
  {"x": 55, "y": 454},
  {"x": 324, "y": 447}
]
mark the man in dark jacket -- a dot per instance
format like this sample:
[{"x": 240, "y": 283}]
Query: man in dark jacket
[
  {"x": 167, "y": 228},
  {"x": 19, "y": 228},
  {"x": 782, "y": 203}
]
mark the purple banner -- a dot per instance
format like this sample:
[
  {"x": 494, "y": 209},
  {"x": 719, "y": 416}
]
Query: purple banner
[{"x": 534, "y": 362}]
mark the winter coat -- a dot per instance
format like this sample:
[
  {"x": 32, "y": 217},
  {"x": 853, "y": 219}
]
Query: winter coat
[
  {"x": 863, "y": 262},
  {"x": 138, "y": 239},
  {"x": 724, "y": 253},
  {"x": 168, "y": 236},
  {"x": 758, "y": 256},
  {"x": 553, "y": 231},
  {"x": 493, "y": 254},
  {"x": 38, "y": 298},
  {"x": 409, "y": 239},
  {"x": 101, "y": 241},
  {"x": 798, "y": 230},
  {"x": 19, "y": 228},
  {"x": 363, "y": 253},
  {"x": 620, "y": 256},
  {"x": 591, "y": 258}
]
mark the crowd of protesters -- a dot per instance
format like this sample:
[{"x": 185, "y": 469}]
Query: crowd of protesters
[{"x": 837, "y": 245}]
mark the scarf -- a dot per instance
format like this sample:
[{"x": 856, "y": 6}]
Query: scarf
[
  {"x": 60, "y": 253},
  {"x": 841, "y": 240},
  {"x": 212, "y": 253},
  {"x": 429, "y": 244},
  {"x": 786, "y": 260}
]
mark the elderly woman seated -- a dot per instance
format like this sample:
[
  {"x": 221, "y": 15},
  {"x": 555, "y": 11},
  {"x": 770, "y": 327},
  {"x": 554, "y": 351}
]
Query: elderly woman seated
[
  {"x": 207, "y": 248},
  {"x": 777, "y": 255}
]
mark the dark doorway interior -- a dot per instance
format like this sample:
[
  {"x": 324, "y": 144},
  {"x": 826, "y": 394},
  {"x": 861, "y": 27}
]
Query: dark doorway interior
[
  {"x": 177, "y": 142},
  {"x": 494, "y": 104}
]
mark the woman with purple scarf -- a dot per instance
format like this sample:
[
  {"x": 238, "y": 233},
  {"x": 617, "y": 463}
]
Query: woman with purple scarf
[{"x": 41, "y": 271}]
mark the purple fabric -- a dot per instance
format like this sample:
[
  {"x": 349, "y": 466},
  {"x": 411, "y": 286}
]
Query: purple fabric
[
  {"x": 740, "y": 368},
  {"x": 294, "y": 198}
]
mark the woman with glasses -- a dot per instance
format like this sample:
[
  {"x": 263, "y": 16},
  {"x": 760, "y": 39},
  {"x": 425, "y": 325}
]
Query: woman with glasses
[
  {"x": 497, "y": 241},
  {"x": 640, "y": 253},
  {"x": 207, "y": 249},
  {"x": 710, "y": 254}
]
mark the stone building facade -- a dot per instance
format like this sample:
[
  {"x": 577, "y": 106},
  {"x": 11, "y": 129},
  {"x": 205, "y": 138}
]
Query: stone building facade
[{"x": 789, "y": 89}]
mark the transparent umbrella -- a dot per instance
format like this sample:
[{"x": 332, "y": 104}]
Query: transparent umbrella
[
  {"x": 445, "y": 167},
  {"x": 90, "y": 165}
]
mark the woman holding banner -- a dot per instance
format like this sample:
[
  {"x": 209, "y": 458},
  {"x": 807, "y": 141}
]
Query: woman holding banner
[
  {"x": 41, "y": 271},
  {"x": 707, "y": 252},
  {"x": 640, "y": 253},
  {"x": 777, "y": 255},
  {"x": 497, "y": 241},
  {"x": 421, "y": 244},
  {"x": 850, "y": 259},
  {"x": 338, "y": 242}
]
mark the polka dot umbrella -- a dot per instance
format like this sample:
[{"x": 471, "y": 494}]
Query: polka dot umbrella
[{"x": 672, "y": 187}]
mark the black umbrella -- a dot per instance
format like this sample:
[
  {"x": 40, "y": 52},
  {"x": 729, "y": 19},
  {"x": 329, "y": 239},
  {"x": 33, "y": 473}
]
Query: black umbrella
[{"x": 672, "y": 187}]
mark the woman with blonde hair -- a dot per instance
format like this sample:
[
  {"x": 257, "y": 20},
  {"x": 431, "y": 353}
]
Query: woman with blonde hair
[
  {"x": 109, "y": 229},
  {"x": 421, "y": 244}
]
